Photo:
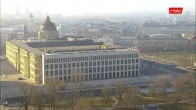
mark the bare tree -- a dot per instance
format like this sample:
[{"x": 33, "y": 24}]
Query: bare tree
[
  {"x": 38, "y": 99},
  {"x": 106, "y": 91},
  {"x": 163, "y": 83},
  {"x": 134, "y": 92},
  {"x": 179, "y": 85},
  {"x": 120, "y": 89},
  {"x": 77, "y": 78},
  {"x": 53, "y": 86},
  {"x": 190, "y": 84},
  {"x": 152, "y": 89},
  {"x": 25, "y": 91},
  {"x": 184, "y": 83}
]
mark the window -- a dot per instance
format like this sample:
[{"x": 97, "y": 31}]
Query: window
[
  {"x": 133, "y": 60},
  {"x": 114, "y": 62},
  {"x": 56, "y": 72},
  {"x": 110, "y": 62},
  {"x": 114, "y": 75},
  {"x": 102, "y": 62},
  {"x": 51, "y": 66},
  {"x": 90, "y": 70},
  {"x": 56, "y": 66},
  {"x": 60, "y": 65},
  {"x": 118, "y": 74},
  {"x": 90, "y": 76},
  {"x": 102, "y": 69},
  {"x": 94, "y": 69},
  {"x": 94, "y": 63},
  {"x": 51, "y": 73},
  {"x": 90, "y": 63},
  {"x": 98, "y": 69},
  {"x": 133, "y": 66},
  {"x": 129, "y": 73},
  {"x": 69, "y": 71},
  {"x": 118, "y": 68},
  {"x": 136, "y": 60},
  {"x": 82, "y": 64},
  {"x": 86, "y": 70},
  {"x": 65, "y": 65},
  {"x": 136, "y": 73},
  {"x": 106, "y": 62},
  {"x": 73, "y": 65},
  {"x": 106, "y": 68},
  {"x": 125, "y": 61},
  {"x": 102, "y": 75},
  {"x": 46, "y": 72},
  {"x": 69, "y": 65},
  {"x": 114, "y": 68},
  {"x": 121, "y": 62},
  {"x": 121, "y": 74},
  {"x": 78, "y": 64},
  {"x": 133, "y": 73},
  {"x": 98, "y": 63},
  {"x": 125, "y": 67},
  {"x": 136, "y": 67},
  {"x": 60, "y": 72},
  {"x": 86, "y": 64},
  {"x": 98, "y": 76},
  {"x": 118, "y": 61},
  {"x": 121, "y": 68},
  {"x": 110, "y": 68},
  {"x": 65, "y": 72},
  {"x": 46, "y": 66}
]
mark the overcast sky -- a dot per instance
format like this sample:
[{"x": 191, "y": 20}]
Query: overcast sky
[{"x": 77, "y": 7}]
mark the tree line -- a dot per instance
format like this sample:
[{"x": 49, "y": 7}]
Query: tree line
[{"x": 183, "y": 86}]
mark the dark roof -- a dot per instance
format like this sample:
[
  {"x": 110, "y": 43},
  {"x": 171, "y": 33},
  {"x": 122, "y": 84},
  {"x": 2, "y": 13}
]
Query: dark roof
[{"x": 62, "y": 43}]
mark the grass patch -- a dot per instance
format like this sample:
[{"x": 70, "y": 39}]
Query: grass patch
[{"x": 180, "y": 58}]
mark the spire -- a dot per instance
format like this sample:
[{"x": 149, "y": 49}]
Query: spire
[
  {"x": 30, "y": 15},
  {"x": 47, "y": 18}
]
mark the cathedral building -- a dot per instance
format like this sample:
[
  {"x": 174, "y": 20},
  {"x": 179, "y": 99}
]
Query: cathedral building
[{"x": 48, "y": 30}]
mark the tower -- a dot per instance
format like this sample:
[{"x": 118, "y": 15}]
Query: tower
[{"x": 25, "y": 31}]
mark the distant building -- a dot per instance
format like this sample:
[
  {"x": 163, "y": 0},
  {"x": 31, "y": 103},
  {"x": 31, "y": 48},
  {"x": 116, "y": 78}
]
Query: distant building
[
  {"x": 159, "y": 42},
  {"x": 124, "y": 41},
  {"x": 48, "y": 30}
]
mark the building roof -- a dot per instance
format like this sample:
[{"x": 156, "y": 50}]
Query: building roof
[
  {"x": 62, "y": 43},
  {"x": 68, "y": 46},
  {"x": 26, "y": 47},
  {"x": 78, "y": 48}
]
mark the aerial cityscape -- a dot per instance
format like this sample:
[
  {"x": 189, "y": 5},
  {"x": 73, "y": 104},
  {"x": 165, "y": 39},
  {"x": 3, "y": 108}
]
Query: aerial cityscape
[{"x": 97, "y": 55}]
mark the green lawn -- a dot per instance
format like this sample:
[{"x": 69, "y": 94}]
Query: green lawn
[
  {"x": 180, "y": 58},
  {"x": 178, "y": 106}
]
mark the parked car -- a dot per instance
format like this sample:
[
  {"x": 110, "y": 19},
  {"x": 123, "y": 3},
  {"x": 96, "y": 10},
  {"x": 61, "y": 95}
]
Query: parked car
[{"x": 20, "y": 78}]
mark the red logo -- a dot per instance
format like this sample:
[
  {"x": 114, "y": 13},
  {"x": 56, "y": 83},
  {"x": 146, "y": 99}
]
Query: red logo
[{"x": 175, "y": 10}]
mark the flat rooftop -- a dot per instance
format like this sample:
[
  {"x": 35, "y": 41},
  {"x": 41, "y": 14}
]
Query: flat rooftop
[{"x": 63, "y": 46}]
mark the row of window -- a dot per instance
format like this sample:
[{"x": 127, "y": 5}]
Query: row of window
[
  {"x": 94, "y": 63},
  {"x": 99, "y": 76},
  {"x": 92, "y": 70},
  {"x": 162, "y": 43},
  {"x": 88, "y": 58}
]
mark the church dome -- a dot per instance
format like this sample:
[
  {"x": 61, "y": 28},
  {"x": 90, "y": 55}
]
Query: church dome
[{"x": 48, "y": 25}]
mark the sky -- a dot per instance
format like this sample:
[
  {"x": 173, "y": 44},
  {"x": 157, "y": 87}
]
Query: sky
[{"x": 78, "y": 7}]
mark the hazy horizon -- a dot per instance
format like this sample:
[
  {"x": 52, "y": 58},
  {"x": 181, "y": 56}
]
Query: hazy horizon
[{"x": 79, "y": 7}]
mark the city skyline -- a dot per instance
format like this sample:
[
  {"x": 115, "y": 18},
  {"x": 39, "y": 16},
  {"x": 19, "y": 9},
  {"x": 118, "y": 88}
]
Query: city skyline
[{"x": 76, "y": 7}]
